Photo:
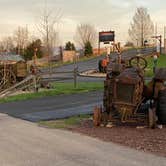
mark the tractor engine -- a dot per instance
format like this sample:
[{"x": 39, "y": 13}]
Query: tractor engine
[{"x": 128, "y": 89}]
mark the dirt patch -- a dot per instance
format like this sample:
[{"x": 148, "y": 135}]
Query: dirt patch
[{"x": 144, "y": 139}]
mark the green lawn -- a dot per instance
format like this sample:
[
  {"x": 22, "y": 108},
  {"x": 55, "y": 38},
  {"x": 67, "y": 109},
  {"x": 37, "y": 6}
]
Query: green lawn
[
  {"x": 58, "y": 88},
  {"x": 64, "y": 123},
  {"x": 161, "y": 63}
]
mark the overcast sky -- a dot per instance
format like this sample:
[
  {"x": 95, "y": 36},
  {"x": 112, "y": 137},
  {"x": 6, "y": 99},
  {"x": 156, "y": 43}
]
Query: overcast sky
[{"x": 103, "y": 14}]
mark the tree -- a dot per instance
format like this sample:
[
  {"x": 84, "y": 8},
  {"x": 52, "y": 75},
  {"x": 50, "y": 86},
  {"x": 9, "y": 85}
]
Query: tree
[
  {"x": 47, "y": 27},
  {"x": 70, "y": 46},
  {"x": 88, "y": 50},
  {"x": 7, "y": 44},
  {"x": 85, "y": 33},
  {"x": 142, "y": 27},
  {"x": 129, "y": 44},
  {"x": 29, "y": 52},
  {"x": 21, "y": 39}
]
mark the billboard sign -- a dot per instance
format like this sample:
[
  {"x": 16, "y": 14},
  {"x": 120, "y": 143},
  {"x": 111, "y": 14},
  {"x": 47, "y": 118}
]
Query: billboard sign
[{"x": 107, "y": 36}]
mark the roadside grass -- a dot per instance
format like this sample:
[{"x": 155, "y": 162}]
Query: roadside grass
[
  {"x": 64, "y": 123},
  {"x": 161, "y": 63},
  {"x": 58, "y": 89}
]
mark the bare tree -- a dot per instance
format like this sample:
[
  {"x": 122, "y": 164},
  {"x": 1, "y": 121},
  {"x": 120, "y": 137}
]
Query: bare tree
[
  {"x": 7, "y": 44},
  {"x": 85, "y": 33},
  {"x": 142, "y": 27},
  {"x": 47, "y": 26},
  {"x": 21, "y": 39}
]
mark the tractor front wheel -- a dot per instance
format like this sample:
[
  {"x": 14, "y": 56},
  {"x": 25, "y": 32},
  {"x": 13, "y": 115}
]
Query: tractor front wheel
[{"x": 97, "y": 116}]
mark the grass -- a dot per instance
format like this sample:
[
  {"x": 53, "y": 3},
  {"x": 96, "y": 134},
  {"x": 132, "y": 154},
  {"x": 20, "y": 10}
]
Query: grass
[
  {"x": 64, "y": 123},
  {"x": 161, "y": 63},
  {"x": 58, "y": 88}
]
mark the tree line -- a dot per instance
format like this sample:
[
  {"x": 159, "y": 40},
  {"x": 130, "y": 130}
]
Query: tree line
[{"x": 86, "y": 36}]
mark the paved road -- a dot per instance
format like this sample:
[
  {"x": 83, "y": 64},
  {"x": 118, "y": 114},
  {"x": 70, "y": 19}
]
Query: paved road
[
  {"x": 47, "y": 108},
  {"x": 25, "y": 144},
  {"x": 93, "y": 64}
]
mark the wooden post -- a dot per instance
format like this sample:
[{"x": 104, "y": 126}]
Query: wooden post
[
  {"x": 75, "y": 76},
  {"x": 34, "y": 82},
  {"x": 75, "y": 70}
]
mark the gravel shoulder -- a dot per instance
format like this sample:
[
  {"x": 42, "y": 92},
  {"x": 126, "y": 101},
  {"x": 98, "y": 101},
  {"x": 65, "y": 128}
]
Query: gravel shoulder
[{"x": 142, "y": 139}]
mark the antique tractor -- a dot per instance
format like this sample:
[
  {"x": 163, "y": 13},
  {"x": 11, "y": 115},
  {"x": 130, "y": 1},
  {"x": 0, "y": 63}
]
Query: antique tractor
[{"x": 126, "y": 96}]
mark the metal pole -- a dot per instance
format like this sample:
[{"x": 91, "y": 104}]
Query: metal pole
[
  {"x": 160, "y": 44},
  {"x": 99, "y": 48}
]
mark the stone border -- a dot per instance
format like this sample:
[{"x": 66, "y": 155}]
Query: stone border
[{"x": 92, "y": 73}]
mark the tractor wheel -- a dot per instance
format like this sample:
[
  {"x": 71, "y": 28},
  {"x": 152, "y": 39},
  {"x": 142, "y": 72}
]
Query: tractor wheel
[
  {"x": 152, "y": 118},
  {"x": 161, "y": 111},
  {"x": 97, "y": 116},
  {"x": 100, "y": 66},
  {"x": 138, "y": 62},
  {"x": 7, "y": 79}
]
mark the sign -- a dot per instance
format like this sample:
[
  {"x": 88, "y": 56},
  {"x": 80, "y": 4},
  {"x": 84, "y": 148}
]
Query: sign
[{"x": 107, "y": 36}]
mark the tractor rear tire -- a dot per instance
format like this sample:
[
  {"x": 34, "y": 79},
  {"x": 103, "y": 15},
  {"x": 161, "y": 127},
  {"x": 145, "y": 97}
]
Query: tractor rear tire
[
  {"x": 100, "y": 68},
  {"x": 161, "y": 111}
]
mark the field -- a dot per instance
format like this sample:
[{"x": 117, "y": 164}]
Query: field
[{"x": 161, "y": 63}]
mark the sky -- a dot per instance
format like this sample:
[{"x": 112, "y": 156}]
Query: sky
[{"x": 103, "y": 14}]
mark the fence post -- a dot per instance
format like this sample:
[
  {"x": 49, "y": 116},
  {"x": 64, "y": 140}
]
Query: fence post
[
  {"x": 75, "y": 76},
  {"x": 35, "y": 84}
]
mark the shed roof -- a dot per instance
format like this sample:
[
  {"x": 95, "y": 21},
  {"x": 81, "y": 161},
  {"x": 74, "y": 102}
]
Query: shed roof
[{"x": 8, "y": 57}]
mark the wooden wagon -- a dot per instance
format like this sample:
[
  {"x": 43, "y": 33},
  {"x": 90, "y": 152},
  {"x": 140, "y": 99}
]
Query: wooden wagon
[{"x": 12, "y": 72}]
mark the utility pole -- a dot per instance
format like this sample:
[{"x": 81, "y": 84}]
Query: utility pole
[
  {"x": 156, "y": 29},
  {"x": 35, "y": 56},
  {"x": 165, "y": 39}
]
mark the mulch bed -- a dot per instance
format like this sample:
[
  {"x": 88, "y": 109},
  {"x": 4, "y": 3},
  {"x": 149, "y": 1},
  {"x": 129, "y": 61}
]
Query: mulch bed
[{"x": 144, "y": 139}]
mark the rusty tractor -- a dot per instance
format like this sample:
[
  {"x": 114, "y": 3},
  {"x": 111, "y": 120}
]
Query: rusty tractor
[{"x": 127, "y": 98}]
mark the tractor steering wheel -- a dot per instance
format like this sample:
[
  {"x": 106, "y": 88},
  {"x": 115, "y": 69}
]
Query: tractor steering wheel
[{"x": 138, "y": 62}]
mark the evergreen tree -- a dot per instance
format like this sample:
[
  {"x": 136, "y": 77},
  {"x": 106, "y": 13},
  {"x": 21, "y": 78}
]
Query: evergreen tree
[
  {"x": 88, "y": 50},
  {"x": 70, "y": 46},
  {"x": 29, "y": 52}
]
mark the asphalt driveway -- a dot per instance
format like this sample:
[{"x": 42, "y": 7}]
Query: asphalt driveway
[{"x": 56, "y": 107}]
